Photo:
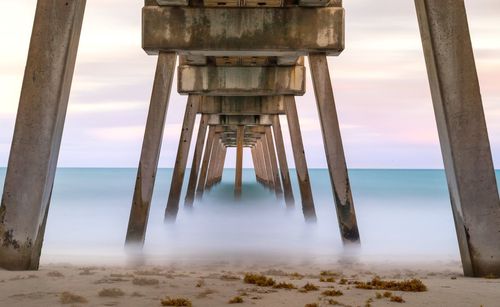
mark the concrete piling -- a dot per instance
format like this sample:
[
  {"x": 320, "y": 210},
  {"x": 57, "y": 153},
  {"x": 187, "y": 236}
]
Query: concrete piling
[
  {"x": 151, "y": 146},
  {"x": 182, "y": 157},
  {"x": 274, "y": 163},
  {"x": 334, "y": 149},
  {"x": 239, "y": 161},
  {"x": 462, "y": 132},
  {"x": 195, "y": 166},
  {"x": 300, "y": 160},
  {"x": 38, "y": 131},
  {"x": 285, "y": 174}
]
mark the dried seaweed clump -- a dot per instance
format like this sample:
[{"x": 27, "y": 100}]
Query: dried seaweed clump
[
  {"x": 332, "y": 292},
  {"x": 413, "y": 285},
  {"x": 70, "y": 298},
  {"x": 284, "y": 285},
  {"x": 176, "y": 302},
  {"x": 309, "y": 287},
  {"x": 259, "y": 280},
  {"x": 397, "y": 299},
  {"x": 111, "y": 292},
  {"x": 236, "y": 300},
  {"x": 327, "y": 279},
  {"x": 312, "y": 305}
]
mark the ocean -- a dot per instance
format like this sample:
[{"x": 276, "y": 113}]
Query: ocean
[{"x": 403, "y": 215}]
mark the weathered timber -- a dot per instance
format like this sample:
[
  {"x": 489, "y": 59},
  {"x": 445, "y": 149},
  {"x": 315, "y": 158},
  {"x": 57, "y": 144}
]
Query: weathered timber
[{"x": 463, "y": 134}]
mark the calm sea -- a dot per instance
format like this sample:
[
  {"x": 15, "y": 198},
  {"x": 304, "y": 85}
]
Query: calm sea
[{"x": 402, "y": 215}]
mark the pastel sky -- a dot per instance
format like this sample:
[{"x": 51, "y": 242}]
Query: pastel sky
[{"x": 380, "y": 82}]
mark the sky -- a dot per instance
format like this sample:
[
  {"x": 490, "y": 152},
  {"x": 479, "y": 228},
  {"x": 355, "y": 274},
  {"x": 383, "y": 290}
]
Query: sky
[{"x": 380, "y": 84}]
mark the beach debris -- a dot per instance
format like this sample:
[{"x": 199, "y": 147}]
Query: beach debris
[
  {"x": 296, "y": 276},
  {"x": 111, "y": 292},
  {"x": 332, "y": 292},
  {"x": 70, "y": 298},
  {"x": 200, "y": 283},
  {"x": 369, "y": 302},
  {"x": 343, "y": 281},
  {"x": 312, "y": 305},
  {"x": 327, "y": 279},
  {"x": 413, "y": 285},
  {"x": 378, "y": 295},
  {"x": 387, "y": 294},
  {"x": 329, "y": 274},
  {"x": 176, "y": 302},
  {"x": 397, "y": 299},
  {"x": 308, "y": 287},
  {"x": 145, "y": 281},
  {"x": 259, "y": 280},
  {"x": 284, "y": 285},
  {"x": 236, "y": 300}
]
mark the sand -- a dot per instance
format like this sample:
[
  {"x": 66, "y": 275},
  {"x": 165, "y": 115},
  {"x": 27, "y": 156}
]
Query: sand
[{"x": 215, "y": 284}]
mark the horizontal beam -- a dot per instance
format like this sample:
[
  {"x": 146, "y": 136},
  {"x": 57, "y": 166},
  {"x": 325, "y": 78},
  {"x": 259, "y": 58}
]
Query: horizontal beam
[
  {"x": 243, "y": 31},
  {"x": 241, "y": 81},
  {"x": 229, "y": 120},
  {"x": 232, "y": 128},
  {"x": 239, "y": 3},
  {"x": 242, "y": 105}
]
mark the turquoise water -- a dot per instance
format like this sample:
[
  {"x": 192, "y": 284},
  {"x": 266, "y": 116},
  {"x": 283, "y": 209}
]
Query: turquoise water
[{"x": 402, "y": 214}]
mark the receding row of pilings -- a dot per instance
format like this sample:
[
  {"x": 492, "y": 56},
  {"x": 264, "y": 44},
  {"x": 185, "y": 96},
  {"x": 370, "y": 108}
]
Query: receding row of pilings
[{"x": 209, "y": 38}]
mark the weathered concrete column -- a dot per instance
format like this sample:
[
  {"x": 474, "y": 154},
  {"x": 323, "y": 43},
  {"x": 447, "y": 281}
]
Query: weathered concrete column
[
  {"x": 255, "y": 166},
  {"x": 267, "y": 161},
  {"x": 274, "y": 162},
  {"x": 182, "y": 157},
  {"x": 213, "y": 161},
  {"x": 300, "y": 160},
  {"x": 222, "y": 163},
  {"x": 240, "y": 134},
  {"x": 463, "y": 133},
  {"x": 262, "y": 162},
  {"x": 38, "y": 131},
  {"x": 195, "y": 166},
  {"x": 206, "y": 160},
  {"x": 285, "y": 174},
  {"x": 334, "y": 149},
  {"x": 151, "y": 146}
]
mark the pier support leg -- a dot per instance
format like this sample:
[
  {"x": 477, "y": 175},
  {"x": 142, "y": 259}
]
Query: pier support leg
[
  {"x": 221, "y": 165},
  {"x": 334, "y": 149},
  {"x": 195, "y": 166},
  {"x": 151, "y": 146},
  {"x": 38, "y": 131},
  {"x": 463, "y": 134},
  {"x": 255, "y": 166},
  {"x": 267, "y": 160},
  {"x": 212, "y": 165},
  {"x": 300, "y": 160},
  {"x": 206, "y": 160},
  {"x": 240, "y": 134},
  {"x": 274, "y": 163},
  {"x": 182, "y": 157},
  {"x": 285, "y": 174}
]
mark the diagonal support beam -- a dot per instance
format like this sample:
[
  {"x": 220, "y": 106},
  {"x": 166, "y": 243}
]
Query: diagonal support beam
[
  {"x": 334, "y": 149},
  {"x": 463, "y": 134},
  {"x": 285, "y": 174},
  {"x": 195, "y": 167},
  {"x": 38, "y": 132},
  {"x": 300, "y": 160},
  {"x": 182, "y": 157},
  {"x": 151, "y": 146}
]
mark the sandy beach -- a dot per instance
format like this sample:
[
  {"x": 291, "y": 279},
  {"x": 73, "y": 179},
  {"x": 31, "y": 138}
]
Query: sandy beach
[{"x": 217, "y": 283}]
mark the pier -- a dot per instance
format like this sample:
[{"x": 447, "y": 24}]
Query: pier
[{"x": 241, "y": 65}]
